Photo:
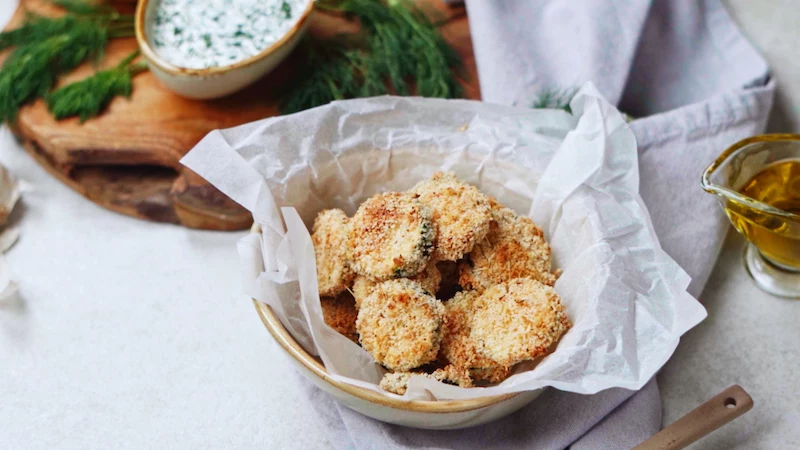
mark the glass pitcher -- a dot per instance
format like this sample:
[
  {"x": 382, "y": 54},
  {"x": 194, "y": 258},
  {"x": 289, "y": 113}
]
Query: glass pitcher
[{"x": 757, "y": 180}]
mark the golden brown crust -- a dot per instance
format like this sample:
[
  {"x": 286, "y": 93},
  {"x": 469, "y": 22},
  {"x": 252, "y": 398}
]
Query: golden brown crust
[
  {"x": 399, "y": 251},
  {"x": 400, "y": 325},
  {"x": 362, "y": 288},
  {"x": 453, "y": 375},
  {"x": 461, "y": 214},
  {"x": 517, "y": 320},
  {"x": 429, "y": 279},
  {"x": 391, "y": 236},
  {"x": 492, "y": 374},
  {"x": 514, "y": 248},
  {"x": 459, "y": 349},
  {"x": 397, "y": 382},
  {"x": 329, "y": 236},
  {"x": 340, "y": 314}
]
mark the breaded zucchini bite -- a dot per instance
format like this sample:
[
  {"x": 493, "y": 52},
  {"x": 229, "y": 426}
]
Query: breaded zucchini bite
[
  {"x": 330, "y": 236},
  {"x": 460, "y": 211},
  {"x": 517, "y": 321},
  {"x": 429, "y": 279},
  {"x": 391, "y": 236},
  {"x": 459, "y": 349},
  {"x": 400, "y": 325},
  {"x": 397, "y": 382},
  {"x": 340, "y": 314},
  {"x": 514, "y": 248}
]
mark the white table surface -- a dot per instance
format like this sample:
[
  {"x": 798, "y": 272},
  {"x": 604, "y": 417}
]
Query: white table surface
[{"x": 133, "y": 334}]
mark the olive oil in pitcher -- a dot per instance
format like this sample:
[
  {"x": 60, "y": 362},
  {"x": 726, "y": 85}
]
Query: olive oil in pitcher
[
  {"x": 757, "y": 182},
  {"x": 776, "y": 236}
]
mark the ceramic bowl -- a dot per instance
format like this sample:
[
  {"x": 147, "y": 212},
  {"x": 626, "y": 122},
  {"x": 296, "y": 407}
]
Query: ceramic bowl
[
  {"x": 215, "y": 82},
  {"x": 434, "y": 415}
]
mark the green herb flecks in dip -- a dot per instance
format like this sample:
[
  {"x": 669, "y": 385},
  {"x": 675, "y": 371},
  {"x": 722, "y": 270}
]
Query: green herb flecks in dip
[{"x": 197, "y": 34}]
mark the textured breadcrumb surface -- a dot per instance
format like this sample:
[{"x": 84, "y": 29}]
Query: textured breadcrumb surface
[
  {"x": 381, "y": 271},
  {"x": 400, "y": 325},
  {"x": 517, "y": 320},
  {"x": 514, "y": 248},
  {"x": 397, "y": 382},
  {"x": 340, "y": 314},
  {"x": 391, "y": 236},
  {"x": 453, "y": 375},
  {"x": 330, "y": 236},
  {"x": 429, "y": 279},
  {"x": 459, "y": 349},
  {"x": 460, "y": 211}
]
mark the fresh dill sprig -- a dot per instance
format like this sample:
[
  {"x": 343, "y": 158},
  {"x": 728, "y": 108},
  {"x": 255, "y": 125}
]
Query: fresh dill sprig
[
  {"x": 88, "y": 97},
  {"x": 31, "y": 70},
  {"x": 44, "y": 48},
  {"x": 327, "y": 76},
  {"x": 399, "y": 50},
  {"x": 35, "y": 29}
]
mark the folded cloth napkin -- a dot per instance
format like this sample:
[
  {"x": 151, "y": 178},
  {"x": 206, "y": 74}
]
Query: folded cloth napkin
[{"x": 694, "y": 85}]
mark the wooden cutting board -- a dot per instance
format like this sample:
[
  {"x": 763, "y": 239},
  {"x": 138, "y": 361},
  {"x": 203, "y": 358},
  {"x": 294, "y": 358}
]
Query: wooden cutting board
[{"x": 126, "y": 160}]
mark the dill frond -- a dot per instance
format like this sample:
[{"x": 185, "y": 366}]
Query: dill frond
[
  {"x": 31, "y": 69},
  {"x": 88, "y": 97},
  {"x": 45, "y": 48},
  {"x": 399, "y": 50},
  {"x": 35, "y": 29},
  {"x": 326, "y": 76}
]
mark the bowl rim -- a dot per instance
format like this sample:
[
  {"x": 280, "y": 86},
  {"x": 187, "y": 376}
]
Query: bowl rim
[
  {"x": 312, "y": 365},
  {"x": 153, "y": 58}
]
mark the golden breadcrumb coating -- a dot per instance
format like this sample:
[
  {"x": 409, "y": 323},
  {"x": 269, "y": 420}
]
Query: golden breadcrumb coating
[
  {"x": 340, "y": 314},
  {"x": 453, "y": 375},
  {"x": 429, "y": 279},
  {"x": 397, "y": 382},
  {"x": 362, "y": 287},
  {"x": 492, "y": 374},
  {"x": 517, "y": 320},
  {"x": 459, "y": 349},
  {"x": 401, "y": 250},
  {"x": 400, "y": 324},
  {"x": 461, "y": 214},
  {"x": 391, "y": 236},
  {"x": 329, "y": 236},
  {"x": 514, "y": 248}
]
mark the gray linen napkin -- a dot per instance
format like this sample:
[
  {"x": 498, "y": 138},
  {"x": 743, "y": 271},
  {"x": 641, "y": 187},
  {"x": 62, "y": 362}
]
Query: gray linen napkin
[{"x": 695, "y": 85}]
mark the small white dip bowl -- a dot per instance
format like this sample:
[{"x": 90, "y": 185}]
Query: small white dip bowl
[{"x": 214, "y": 82}]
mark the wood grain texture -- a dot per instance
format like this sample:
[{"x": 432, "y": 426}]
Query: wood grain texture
[
  {"x": 127, "y": 159},
  {"x": 711, "y": 415}
]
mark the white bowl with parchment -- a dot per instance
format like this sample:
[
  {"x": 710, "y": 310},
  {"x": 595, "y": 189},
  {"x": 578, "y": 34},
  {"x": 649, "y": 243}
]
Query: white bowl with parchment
[
  {"x": 576, "y": 175},
  {"x": 204, "y": 50}
]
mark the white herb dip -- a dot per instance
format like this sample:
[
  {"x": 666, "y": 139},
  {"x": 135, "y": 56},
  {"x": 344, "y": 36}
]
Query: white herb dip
[{"x": 197, "y": 34}]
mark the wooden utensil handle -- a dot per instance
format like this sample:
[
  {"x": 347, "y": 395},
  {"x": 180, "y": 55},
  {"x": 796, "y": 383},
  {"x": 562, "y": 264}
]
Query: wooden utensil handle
[{"x": 724, "y": 407}]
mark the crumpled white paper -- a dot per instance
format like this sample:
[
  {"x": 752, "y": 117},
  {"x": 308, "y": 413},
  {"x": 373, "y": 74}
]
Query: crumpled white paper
[{"x": 576, "y": 175}]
